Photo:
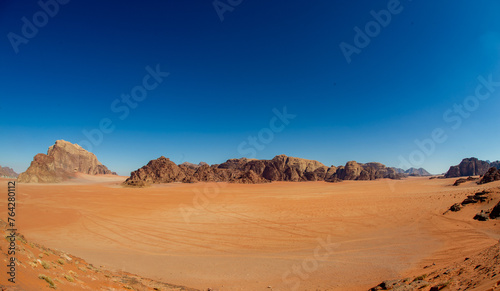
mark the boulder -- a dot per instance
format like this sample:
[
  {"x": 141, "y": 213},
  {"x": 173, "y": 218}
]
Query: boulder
[
  {"x": 456, "y": 207},
  {"x": 495, "y": 212},
  {"x": 482, "y": 216}
]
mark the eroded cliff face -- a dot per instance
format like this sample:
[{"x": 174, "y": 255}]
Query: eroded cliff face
[
  {"x": 468, "y": 167},
  {"x": 62, "y": 160},
  {"x": 250, "y": 171}
]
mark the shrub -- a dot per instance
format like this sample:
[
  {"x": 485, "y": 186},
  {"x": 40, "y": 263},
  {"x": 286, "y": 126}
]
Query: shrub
[
  {"x": 69, "y": 278},
  {"x": 45, "y": 265},
  {"x": 48, "y": 280}
]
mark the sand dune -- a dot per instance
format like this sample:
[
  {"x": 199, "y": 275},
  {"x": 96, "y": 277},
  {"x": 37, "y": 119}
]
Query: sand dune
[{"x": 303, "y": 236}]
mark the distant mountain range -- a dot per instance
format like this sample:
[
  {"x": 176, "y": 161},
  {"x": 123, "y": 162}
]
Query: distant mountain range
[
  {"x": 413, "y": 172},
  {"x": 6, "y": 172}
]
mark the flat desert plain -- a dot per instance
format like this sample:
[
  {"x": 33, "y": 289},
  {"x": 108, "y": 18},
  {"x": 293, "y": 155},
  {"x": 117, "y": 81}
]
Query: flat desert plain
[{"x": 276, "y": 236}]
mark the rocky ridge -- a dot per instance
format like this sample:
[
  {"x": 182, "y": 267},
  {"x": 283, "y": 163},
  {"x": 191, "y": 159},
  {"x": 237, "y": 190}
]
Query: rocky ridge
[{"x": 250, "y": 171}]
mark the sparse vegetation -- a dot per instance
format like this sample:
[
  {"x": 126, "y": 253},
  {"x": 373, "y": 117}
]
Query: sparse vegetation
[
  {"x": 91, "y": 267},
  {"x": 69, "y": 278},
  {"x": 60, "y": 261},
  {"x": 45, "y": 265},
  {"x": 21, "y": 239},
  {"x": 48, "y": 280}
]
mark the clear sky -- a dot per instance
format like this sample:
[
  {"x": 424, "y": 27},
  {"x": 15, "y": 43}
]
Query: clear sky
[{"x": 406, "y": 71}]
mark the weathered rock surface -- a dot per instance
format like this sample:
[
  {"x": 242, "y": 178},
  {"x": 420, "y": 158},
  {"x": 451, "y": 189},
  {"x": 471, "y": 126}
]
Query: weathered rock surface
[
  {"x": 495, "y": 212},
  {"x": 459, "y": 181},
  {"x": 62, "y": 160},
  {"x": 249, "y": 171},
  {"x": 484, "y": 215},
  {"x": 468, "y": 167},
  {"x": 478, "y": 197},
  {"x": 493, "y": 174},
  {"x": 6, "y": 172}
]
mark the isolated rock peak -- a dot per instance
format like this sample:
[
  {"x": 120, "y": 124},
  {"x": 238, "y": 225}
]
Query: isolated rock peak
[{"x": 62, "y": 161}]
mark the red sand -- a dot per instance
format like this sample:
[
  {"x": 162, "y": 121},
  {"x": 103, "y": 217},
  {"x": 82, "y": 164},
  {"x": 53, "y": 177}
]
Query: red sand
[{"x": 249, "y": 237}]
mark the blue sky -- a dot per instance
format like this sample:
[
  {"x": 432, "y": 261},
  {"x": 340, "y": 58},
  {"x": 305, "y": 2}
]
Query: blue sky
[{"x": 226, "y": 77}]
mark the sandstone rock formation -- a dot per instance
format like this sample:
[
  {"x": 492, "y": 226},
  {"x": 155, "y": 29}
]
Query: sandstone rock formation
[
  {"x": 162, "y": 170},
  {"x": 493, "y": 174},
  {"x": 62, "y": 160},
  {"x": 6, "y": 172},
  {"x": 468, "y": 167},
  {"x": 280, "y": 168}
]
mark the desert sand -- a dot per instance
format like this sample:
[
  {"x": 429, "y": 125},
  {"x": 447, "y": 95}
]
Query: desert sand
[{"x": 283, "y": 235}]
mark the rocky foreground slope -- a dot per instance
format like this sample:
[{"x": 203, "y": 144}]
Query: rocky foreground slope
[
  {"x": 41, "y": 268},
  {"x": 250, "y": 171},
  {"x": 478, "y": 272},
  {"x": 62, "y": 160}
]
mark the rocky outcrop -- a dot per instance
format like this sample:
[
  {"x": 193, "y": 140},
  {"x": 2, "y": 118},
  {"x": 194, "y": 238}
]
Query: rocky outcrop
[
  {"x": 62, "y": 160},
  {"x": 369, "y": 171},
  {"x": 468, "y": 167},
  {"x": 6, "y": 172},
  {"x": 280, "y": 168},
  {"x": 162, "y": 170},
  {"x": 463, "y": 180},
  {"x": 493, "y": 174},
  {"x": 495, "y": 212},
  {"x": 478, "y": 197}
]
